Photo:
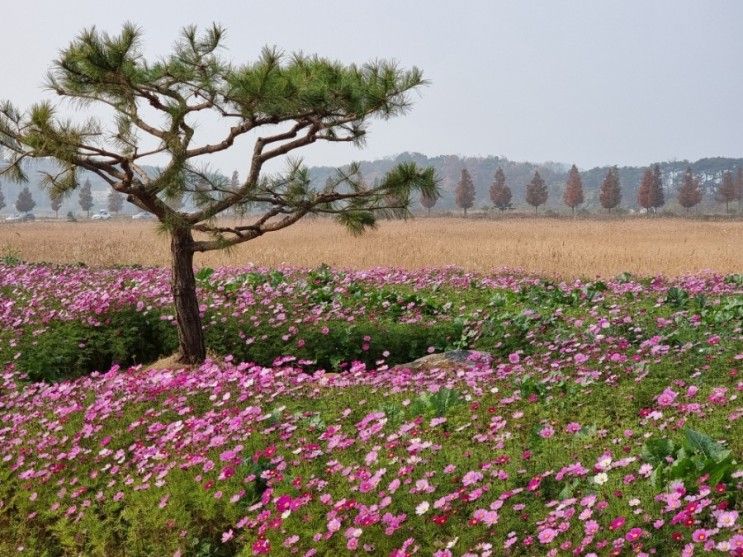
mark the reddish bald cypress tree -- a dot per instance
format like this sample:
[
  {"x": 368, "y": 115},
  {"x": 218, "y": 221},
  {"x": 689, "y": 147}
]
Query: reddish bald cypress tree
[
  {"x": 644, "y": 194},
  {"x": 536, "y": 192},
  {"x": 658, "y": 196},
  {"x": 428, "y": 201},
  {"x": 56, "y": 203},
  {"x": 650, "y": 195},
  {"x": 611, "y": 191},
  {"x": 689, "y": 193},
  {"x": 726, "y": 191},
  {"x": 573, "y": 195},
  {"x": 500, "y": 193},
  {"x": 465, "y": 193}
]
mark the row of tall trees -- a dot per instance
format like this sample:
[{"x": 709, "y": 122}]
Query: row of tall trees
[
  {"x": 26, "y": 203},
  {"x": 650, "y": 194}
]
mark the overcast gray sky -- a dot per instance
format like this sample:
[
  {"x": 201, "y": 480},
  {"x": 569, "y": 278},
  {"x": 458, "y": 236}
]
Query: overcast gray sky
[{"x": 591, "y": 82}]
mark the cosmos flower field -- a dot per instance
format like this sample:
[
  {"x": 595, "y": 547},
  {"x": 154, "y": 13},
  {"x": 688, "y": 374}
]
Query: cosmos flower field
[{"x": 587, "y": 418}]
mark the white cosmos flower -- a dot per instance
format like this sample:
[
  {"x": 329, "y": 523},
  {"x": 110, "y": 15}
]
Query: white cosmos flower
[{"x": 422, "y": 508}]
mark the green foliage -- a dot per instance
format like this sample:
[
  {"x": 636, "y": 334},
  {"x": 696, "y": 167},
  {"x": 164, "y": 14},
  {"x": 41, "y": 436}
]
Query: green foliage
[
  {"x": 729, "y": 310},
  {"x": 344, "y": 342},
  {"x": 11, "y": 256},
  {"x": 437, "y": 404},
  {"x": 695, "y": 456},
  {"x": 65, "y": 349},
  {"x": 676, "y": 297},
  {"x": 510, "y": 331},
  {"x": 203, "y": 275},
  {"x": 529, "y": 386}
]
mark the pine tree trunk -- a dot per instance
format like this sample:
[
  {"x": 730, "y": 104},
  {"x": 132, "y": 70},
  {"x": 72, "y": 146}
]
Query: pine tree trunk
[{"x": 190, "y": 332}]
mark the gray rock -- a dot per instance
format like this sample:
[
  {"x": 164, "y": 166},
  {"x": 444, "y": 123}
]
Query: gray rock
[{"x": 452, "y": 358}]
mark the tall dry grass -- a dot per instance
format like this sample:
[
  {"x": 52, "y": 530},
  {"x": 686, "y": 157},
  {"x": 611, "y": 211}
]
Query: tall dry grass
[{"x": 548, "y": 246}]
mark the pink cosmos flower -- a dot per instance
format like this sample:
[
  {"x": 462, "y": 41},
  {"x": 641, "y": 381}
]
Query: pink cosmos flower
[
  {"x": 487, "y": 517},
  {"x": 633, "y": 535},
  {"x": 547, "y": 535},
  {"x": 334, "y": 525},
  {"x": 261, "y": 547},
  {"x": 546, "y": 432},
  {"x": 727, "y": 519},
  {"x": 471, "y": 477},
  {"x": 667, "y": 397},
  {"x": 591, "y": 527}
]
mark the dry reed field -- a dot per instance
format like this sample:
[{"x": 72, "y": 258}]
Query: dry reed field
[{"x": 552, "y": 247}]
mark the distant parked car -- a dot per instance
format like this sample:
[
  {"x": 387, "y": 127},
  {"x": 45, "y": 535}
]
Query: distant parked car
[
  {"x": 28, "y": 217},
  {"x": 144, "y": 215},
  {"x": 101, "y": 215},
  {"x": 13, "y": 218}
]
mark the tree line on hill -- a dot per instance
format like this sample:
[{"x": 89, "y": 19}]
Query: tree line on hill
[{"x": 650, "y": 193}]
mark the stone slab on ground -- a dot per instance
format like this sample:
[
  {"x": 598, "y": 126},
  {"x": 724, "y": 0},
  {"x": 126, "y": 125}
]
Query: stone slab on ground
[{"x": 451, "y": 358}]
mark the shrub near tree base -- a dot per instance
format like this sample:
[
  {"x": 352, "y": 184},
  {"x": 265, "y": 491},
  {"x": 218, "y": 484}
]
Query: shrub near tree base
[
  {"x": 333, "y": 345},
  {"x": 67, "y": 349}
]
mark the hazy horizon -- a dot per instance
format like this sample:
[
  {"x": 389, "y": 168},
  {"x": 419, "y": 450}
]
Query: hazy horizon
[{"x": 589, "y": 83}]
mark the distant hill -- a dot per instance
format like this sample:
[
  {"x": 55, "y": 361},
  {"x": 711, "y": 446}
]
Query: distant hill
[{"x": 448, "y": 168}]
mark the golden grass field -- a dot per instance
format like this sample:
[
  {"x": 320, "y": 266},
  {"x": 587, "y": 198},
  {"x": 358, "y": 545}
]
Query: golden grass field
[{"x": 555, "y": 247}]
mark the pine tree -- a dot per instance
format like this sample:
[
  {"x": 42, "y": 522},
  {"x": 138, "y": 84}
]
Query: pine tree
[
  {"x": 283, "y": 103},
  {"x": 500, "y": 193},
  {"x": 611, "y": 190},
  {"x": 428, "y": 201},
  {"x": 2, "y": 198},
  {"x": 689, "y": 194},
  {"x": 465, "y": 192},
  {"x": 115, "y": 202},
  {"x": 25, "y": 201},
  {"x": 573, "y": 195},
  {"x": 726, "y": 191},
  {"x": 536, "y": 192},
  {"x": 55, "y": 200},
  {"x": 86, "y": 197}
]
